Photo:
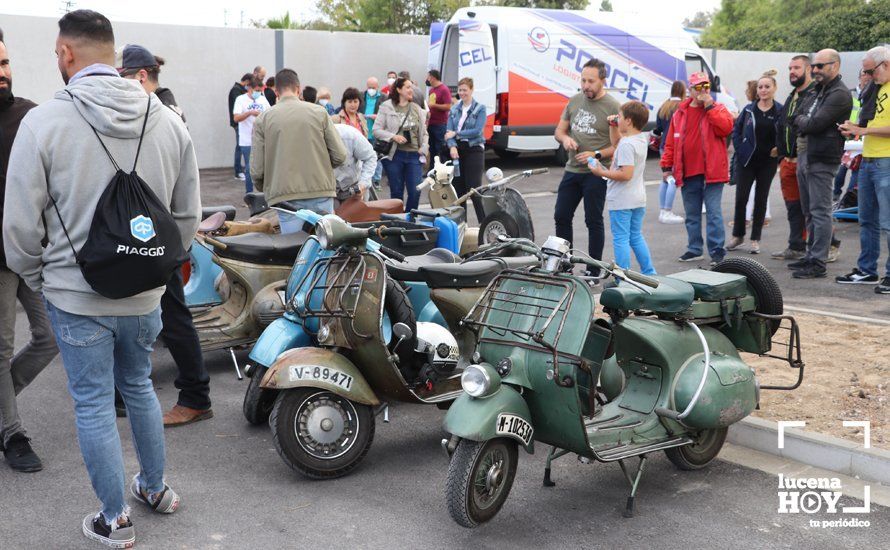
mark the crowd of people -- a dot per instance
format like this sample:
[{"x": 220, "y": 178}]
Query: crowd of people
[
  {"x": 298, "y": 148},
  {"x": 406, "y": 127}
]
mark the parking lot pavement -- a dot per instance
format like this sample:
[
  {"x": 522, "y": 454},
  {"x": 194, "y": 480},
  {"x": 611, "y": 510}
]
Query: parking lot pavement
[{"x": 237, "y": 493}]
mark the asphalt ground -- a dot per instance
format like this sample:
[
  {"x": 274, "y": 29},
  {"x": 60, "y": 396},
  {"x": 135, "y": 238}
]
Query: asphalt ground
[{"x": 237, "y": 493}]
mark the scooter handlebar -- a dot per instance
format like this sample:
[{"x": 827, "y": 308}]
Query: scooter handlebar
[
  {"x": 640, "y": 278},
  {"x": 390, "y": 253}
]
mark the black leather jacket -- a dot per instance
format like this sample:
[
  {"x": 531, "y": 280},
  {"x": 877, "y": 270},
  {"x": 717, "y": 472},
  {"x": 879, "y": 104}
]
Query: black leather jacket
[{"x": 830, "y": 104}]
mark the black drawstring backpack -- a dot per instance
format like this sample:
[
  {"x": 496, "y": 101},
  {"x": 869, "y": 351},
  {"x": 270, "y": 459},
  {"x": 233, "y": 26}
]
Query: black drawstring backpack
[{"x": 134, "y": 244}]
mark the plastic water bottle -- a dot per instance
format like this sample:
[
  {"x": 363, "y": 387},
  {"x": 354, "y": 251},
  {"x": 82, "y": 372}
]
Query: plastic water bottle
[
  {"x": 670, "y": 180},
  {"x": 456, "y": 164},
  {"x": 591, "y": 161}
]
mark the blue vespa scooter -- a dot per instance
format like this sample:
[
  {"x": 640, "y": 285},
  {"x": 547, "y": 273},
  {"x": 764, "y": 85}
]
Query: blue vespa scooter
[{"x": 295, "y": 331}]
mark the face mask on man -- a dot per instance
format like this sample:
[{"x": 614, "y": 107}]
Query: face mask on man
[
  {"x": 390, "y": 81},
  {"x": 372, "y": 92},
  {"x": 255, "y": 95},
  {"x": 323, "y": 102}
]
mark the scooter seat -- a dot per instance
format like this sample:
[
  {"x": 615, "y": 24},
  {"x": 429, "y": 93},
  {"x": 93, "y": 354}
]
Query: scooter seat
[
  {"x": 409, "y": 269},
  {"x": 671, "y": 296},
  {"x": 473, "y": 274},
  {"x": 263, "y": 248},
  {"x": 713, "y": 286},
  {"x": 256, "y": 202},
  {"x": 227, "y": 210}
]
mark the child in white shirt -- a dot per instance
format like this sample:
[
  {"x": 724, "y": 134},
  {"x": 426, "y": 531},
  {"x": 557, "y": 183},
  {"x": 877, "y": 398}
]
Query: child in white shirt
[{"x": 626, "y": 192}]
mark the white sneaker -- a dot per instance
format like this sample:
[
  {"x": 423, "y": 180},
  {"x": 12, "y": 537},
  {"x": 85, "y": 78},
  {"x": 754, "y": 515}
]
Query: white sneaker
[
  {"x": 670, "y": 218},
  {"x": 239, "y": 176}
]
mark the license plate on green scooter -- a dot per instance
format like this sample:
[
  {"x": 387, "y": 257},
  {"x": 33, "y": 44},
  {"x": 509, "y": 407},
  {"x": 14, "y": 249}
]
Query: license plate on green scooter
[
  {"x": 516, "y": 426},
  {"x": 322, "y": 374}
]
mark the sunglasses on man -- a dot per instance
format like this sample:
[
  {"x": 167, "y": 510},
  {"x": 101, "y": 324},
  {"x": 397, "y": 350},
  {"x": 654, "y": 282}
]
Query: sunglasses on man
[
  {"x": 820, "y": 66},
  {"x": 701, "y": 87},
  {"x": 871, "y": 72}
]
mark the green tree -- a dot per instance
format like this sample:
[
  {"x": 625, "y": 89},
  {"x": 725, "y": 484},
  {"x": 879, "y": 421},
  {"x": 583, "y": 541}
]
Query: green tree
[
  {"x": 797, "y": 25},
  {"x": 701, "y": 20},
  {"x": 606, "y": 5}
]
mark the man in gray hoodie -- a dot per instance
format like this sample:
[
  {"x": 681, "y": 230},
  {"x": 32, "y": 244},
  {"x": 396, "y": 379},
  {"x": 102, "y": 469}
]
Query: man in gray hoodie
[{"x": 103, "y": 342}]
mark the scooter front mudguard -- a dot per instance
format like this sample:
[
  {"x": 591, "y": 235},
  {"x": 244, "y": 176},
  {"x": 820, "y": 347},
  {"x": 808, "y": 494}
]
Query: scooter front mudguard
[
  {"x": 319, "y": 368},
  {"x": 281, "y": 335},
  {"x": 502, "y": 414}
]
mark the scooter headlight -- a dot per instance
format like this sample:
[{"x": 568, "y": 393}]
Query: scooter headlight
[
  {"x": 480, "y": 380},
  {"x": 324, "y": 232}
]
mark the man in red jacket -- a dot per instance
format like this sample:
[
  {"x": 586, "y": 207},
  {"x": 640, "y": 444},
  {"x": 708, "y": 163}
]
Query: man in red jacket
[{"x": 695, "y": 155}]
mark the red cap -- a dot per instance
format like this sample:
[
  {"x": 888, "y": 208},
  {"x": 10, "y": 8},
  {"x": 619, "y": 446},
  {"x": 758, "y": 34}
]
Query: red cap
[{"x": 698, "y": 78}]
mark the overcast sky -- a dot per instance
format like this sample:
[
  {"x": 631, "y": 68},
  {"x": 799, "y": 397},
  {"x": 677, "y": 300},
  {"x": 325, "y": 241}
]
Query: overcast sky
[{"x": 234, "y": 13}]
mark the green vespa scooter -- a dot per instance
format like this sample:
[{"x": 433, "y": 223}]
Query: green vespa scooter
[{"x": 662, "y": 373}]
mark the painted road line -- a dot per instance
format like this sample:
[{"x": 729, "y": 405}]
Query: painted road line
[{"x": 844, "y": 316}]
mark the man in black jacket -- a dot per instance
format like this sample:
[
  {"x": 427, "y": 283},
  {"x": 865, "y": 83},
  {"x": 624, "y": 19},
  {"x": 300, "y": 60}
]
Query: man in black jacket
[
  {"x": 178, "y": 331},
  {"x": 799, "y": 76},
  {"x": 238, "y": 88},
  {"x": 820, "y": 147},
  {"x": 16, "y": 372}
]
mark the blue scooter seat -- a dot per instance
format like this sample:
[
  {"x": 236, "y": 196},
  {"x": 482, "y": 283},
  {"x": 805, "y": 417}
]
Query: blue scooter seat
[{"x": 671, "y": 296}]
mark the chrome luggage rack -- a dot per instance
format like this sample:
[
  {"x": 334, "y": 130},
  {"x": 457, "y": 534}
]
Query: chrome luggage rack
[
  {"x": 792, "y": 346},
  {"x": 339, "y": 278},
  {"x": 530, "y": 317}
]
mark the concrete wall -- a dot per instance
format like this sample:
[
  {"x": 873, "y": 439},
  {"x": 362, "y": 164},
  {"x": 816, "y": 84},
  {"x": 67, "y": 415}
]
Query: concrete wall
[
  {"x": 202, "y": 63},
  {"x": 736, "y": 68}
]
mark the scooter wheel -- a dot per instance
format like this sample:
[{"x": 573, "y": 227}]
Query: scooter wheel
[
  {"x": 258, "y": 402},
  {"x": 320, "y": 434},
  {"x": 495, "y": 224},
  {"x": 699, "y": 454},
  {"x": 480, "y": 476}
]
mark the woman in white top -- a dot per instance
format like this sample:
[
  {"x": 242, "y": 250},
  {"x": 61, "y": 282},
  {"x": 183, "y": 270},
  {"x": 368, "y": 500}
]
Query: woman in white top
[{"x": 466, "y": 142}]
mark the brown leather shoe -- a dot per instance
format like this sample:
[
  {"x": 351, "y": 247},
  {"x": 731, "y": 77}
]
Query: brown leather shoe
[{"x": 180, "y": 416}]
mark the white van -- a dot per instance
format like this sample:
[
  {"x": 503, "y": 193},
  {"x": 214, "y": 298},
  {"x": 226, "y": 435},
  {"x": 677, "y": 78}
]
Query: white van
[{"x": 527, "y": 62}]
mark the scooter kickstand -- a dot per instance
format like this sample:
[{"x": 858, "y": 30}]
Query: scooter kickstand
[
  {"x": 383, "y": 408},
  {"x": 551, "y": 456},
  {"x": 235, "y": 361},
  {"x": 634, "y": 484}
]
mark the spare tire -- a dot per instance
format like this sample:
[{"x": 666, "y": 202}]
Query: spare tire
[{"x": 766, "y": 291}]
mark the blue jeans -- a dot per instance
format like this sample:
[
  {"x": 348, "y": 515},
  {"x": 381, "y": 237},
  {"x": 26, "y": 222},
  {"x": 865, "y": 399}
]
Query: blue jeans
[
  {"x": 404, "y": 171},
  {"x": 245, "y": 154},
  {"x": 874, "y": 213},
  {"x": 378, "y": 173},
  {"x": 666, "y": 193},
  {"x": 99, "y": 354},
  {"x": 627, "y": 234},
  {"x": 841, "y": 176},
  {"x": 437, "y": 141},
  {"x": 238, "y": 168},
  {"x": 695, "y": 192}
]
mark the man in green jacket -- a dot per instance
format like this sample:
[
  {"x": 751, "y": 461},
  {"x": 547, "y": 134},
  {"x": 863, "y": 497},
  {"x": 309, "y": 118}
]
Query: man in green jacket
[{"x": 295, "y": 150}]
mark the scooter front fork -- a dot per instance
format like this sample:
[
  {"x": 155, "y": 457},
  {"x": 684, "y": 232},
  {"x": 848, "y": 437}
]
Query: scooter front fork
[
  {"x": 634, "y": 484},
  {"x": 551, "y": 456}
]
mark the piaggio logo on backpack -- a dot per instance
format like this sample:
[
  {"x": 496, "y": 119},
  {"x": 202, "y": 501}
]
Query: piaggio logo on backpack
[{"x": 142, "y": 228}]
